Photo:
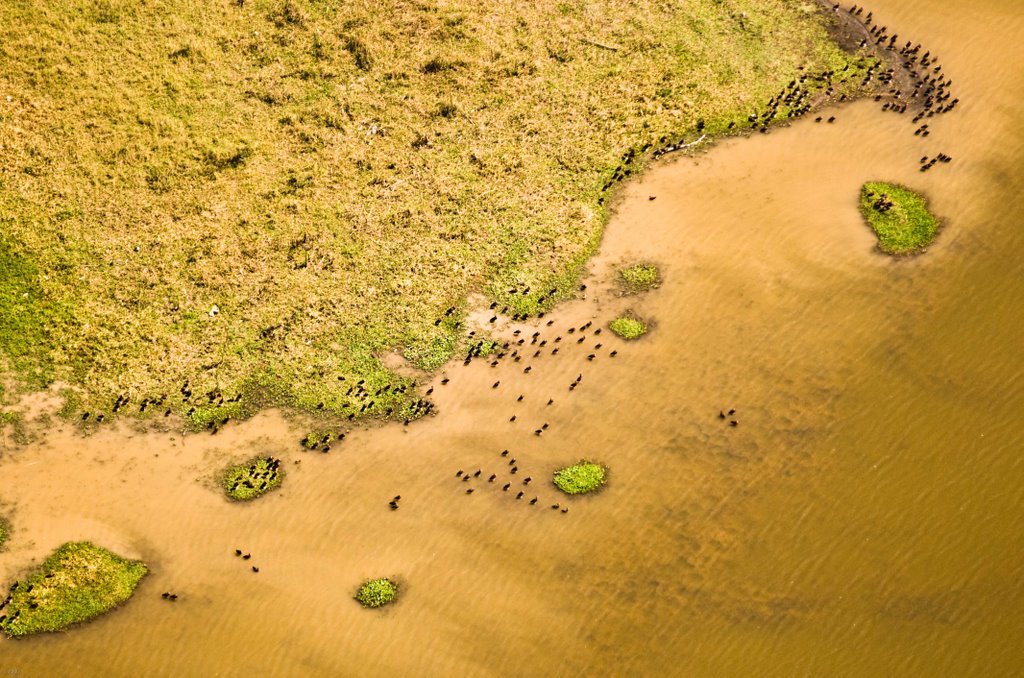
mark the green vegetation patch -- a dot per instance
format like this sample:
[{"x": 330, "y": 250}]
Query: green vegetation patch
[
  {"x": 580, "y": 478},
  {"x": 628, "y": 327},
  {"x": 899, "y": 217},
  {"x": 78, "y": 582},
  {"x": 5, "y": 531},
  {"x": 320, "y": 439},
  {"x": 253, "y": 478},
  {"x": 263, "y": 197},
  {"x": 639, "y": 277},
  {"x": 377, "y": 592}
]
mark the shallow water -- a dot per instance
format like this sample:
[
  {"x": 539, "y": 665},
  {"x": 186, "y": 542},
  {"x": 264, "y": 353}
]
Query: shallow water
[{"x": 860, "y": 520}]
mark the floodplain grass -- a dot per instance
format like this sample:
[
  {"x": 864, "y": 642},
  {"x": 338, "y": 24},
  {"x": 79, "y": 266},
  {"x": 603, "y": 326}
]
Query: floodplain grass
[
  {"x": 898, "y": 216},
  {"x": 321, "y": 439},
  {"x": 639, "y": 278},
  {"x": 628, "y": 327},
  {"x": 331, "y": 176},
  {"x": 377, "y": 592},
  {"x": 581, "y": 478},
  {"x": 78, "y": 582},
  {"x": 252, "y": 478}
]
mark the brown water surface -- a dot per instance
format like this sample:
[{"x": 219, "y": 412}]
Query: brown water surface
[{"x": 862, "y": 519}]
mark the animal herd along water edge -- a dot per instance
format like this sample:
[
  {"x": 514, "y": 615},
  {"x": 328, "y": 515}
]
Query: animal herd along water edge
[{"x": 213, "y": 409}]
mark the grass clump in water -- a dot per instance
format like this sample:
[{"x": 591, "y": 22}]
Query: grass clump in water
[
  {"x": 639, "y": 277},
  {"x": 5, "y": 531},
  {"x": 899, "y": 217},
  {"x": 628, "y": 327},
  {"x": 321, "y": 440},
  {"x": 78, "y": 582},
  {"x": 252, "y": 479},
  {"x": 580, "y": 478},
  {"x": 377, "y": 592}
]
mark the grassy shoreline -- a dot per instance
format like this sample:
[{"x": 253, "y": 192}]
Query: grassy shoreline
[
  {"x": 275, "y": 240},
  {"x": 78, "y": 582}
]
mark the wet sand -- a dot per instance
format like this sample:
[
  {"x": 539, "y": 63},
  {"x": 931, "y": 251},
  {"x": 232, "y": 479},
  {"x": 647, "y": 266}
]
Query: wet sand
[{"x": 860, "y": 519}]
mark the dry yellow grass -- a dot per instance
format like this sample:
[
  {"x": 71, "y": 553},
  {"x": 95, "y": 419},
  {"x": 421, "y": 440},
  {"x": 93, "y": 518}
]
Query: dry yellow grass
[{"x": 331, "y": 176}]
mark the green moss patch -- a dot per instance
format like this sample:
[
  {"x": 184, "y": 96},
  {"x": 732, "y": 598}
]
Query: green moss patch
[
  {"x": 899, "y": 217},
  {"x": 78, "y": 582},
  {"x": 639, "y": 277},
  {"x": 377, "y": 592},
  {"x": 628, "y": 327},
  {"x": 580, "y": 478},
  {"x": 252, "y": 479}
]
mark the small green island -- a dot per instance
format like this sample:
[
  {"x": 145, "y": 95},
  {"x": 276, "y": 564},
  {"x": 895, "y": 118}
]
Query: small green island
[
  {"x": 899, "y": 217},
  {"x": 639, "y": 278},
  {"x": 79, "y": 582},
  {"x": 252, "y": 478},
  {"x": 377, "y": 592},
  {"x": 628, "y": 327},
  {"x": 321, "y": 439},
  {"x": 581, "y": 478}
]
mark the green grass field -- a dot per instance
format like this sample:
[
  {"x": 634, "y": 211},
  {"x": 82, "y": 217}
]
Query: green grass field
[
  {"x": 261, "y": 198},
  {"x": 898, "y": 216},
  {"x": 78, "y": 582}
]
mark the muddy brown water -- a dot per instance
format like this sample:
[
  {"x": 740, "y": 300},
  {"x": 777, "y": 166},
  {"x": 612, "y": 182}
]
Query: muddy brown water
[{"x": 862, "y": 519}]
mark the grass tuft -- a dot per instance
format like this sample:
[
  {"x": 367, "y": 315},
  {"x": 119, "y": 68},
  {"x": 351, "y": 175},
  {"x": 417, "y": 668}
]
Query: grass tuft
[
  {"x": 78, "y": 582},
  {"x": 628, "y": 327},
  {"x": 377, "y": 592},
  {"x": 320, "y": 439},
  {"x": 899, "y": 217},
  {"x": 639, "y": 277},
  {"x": 580, "y": 478},
  {"x": 252, "y": 479}
]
